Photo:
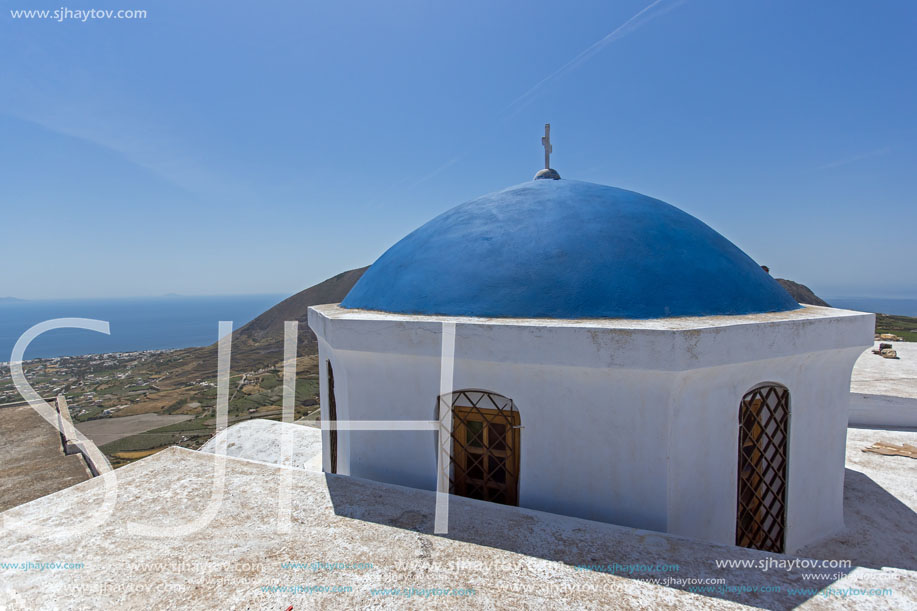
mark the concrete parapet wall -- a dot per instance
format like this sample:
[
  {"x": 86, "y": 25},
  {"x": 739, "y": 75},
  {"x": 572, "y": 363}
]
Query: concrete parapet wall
[
  {"x": 882, "y": 411},
  {"x": 75, "y": 443}
]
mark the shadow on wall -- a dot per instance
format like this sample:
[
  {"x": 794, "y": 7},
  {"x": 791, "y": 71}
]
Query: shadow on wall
[
  {"x": 880, "y": 530},
  {"x": 573, "y": 542}
]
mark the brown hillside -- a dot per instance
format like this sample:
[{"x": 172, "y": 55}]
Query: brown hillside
[
  {"x": 266, "y": 331},
  {"x": 801, "y": 293}
]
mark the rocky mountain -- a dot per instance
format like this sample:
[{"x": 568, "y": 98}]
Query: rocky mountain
[
  {"x": 266, "y": 330},
  {"x": 801, "y": 293}
]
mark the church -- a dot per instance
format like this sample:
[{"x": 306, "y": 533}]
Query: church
[{"x": 593, "y": 352}]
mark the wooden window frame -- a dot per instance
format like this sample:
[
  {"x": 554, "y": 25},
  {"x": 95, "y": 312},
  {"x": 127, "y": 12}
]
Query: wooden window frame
[
  {"x": 491, "y": 454},
  {"x": 763, "y": 468}
]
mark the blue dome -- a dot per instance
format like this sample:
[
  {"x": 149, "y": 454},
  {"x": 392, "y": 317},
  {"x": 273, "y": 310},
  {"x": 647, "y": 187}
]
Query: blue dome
[{"x": 567, "y": 249}]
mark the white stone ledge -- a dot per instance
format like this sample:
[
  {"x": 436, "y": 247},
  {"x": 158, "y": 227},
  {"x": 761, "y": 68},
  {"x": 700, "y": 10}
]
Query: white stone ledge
[
  {"x": 882, "y": 411},
  {"x": 665, "y": 344}
]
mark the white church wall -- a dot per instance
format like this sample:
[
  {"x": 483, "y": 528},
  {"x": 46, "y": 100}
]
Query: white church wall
[
  {"x": 392, "y": 387},
  {"x": 623, "y": 480},
  {"x": 703, "y": 454},
  {"x": 636, "y": 426},
  {"x": 818, "y": 437},
  {"x": 703, "y": 477},
  {"x": 590, "y": 439}
]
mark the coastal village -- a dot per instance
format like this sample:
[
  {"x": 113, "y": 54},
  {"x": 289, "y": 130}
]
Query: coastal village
[{"x": 133, "y": 404}]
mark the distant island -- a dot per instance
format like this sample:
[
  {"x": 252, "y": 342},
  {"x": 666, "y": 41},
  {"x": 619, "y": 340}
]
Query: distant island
[{"x": 11, "y": 300}]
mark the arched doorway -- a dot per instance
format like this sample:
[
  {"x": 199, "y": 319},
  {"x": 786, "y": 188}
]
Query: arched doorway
[
  {"x": 332, "y": 420},
  {"x": 485, "y": 443},
  {"x": 764, "y": 417}
]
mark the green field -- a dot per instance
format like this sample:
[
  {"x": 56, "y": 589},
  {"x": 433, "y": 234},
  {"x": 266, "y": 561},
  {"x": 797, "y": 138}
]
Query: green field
[
  {"x": 904, "y": 327},
  {"x": 172, "y": 434},
  {"x": 189, "y": 434}
]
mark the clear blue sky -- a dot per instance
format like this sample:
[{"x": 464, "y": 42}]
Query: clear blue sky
[{"x": 216, "y": 148}]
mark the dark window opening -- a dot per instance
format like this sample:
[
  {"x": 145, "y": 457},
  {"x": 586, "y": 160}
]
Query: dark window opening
[
  {"x": 763, "y": 439},
  {"x": 332, "y": 420}
]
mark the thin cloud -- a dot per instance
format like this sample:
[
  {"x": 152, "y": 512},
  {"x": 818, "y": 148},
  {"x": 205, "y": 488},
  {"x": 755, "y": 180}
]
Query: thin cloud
[
  {"x": 648, "y": 13},
  {"x": 855, "y": 158},
  {"x": 435, "y": 172},
  {"x": 641, "y": 18},
  {"x": 147, "y": 150},
  {"x": 83, "y": 104},
  {"x": 400, "y": 184}
]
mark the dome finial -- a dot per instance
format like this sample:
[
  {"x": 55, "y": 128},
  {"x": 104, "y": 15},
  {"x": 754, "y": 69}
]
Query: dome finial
[{"x": 547, "y": 172}]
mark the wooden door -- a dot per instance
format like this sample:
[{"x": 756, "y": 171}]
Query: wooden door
[{"x": 485, "y": 453}]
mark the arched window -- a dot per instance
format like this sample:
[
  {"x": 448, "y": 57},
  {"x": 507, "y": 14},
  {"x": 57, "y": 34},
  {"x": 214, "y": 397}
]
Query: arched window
[
  {"x": 764, "y": 417},
  {"x": 332, "y": 420},
  {"x": 485, "y": 442}
]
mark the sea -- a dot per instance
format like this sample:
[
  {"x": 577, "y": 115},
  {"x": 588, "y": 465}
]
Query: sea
[
  {"x": 161, "y": 323},
  {"x": 150, "y": 323},
  {"x": 899, "y": 307}
]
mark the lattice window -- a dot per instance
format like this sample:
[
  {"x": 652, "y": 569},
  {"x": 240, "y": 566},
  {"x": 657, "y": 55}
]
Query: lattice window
[
  {"x": 763, "y": 439},
  {"x": 484, "y": 453},
  {"x": 332, "y": 419}
]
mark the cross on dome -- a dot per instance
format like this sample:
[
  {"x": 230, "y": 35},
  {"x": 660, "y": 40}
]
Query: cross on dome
[{"x": 547, "y": 172}]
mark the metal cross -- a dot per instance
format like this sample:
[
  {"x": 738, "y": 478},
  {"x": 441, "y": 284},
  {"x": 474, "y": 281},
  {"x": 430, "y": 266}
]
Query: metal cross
[{"x": 546, "y": 142}]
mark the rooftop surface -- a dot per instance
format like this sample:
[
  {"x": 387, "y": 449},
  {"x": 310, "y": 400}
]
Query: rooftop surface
[
  {"x": 32, "y": 459},
  {"x": 883, "y": 391},
  {"x": 262, "y": 441},
  {"x": 381, "y": 537},
  {"x": 567, "y": 249},
  {"x": 876, "y": 375}
]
